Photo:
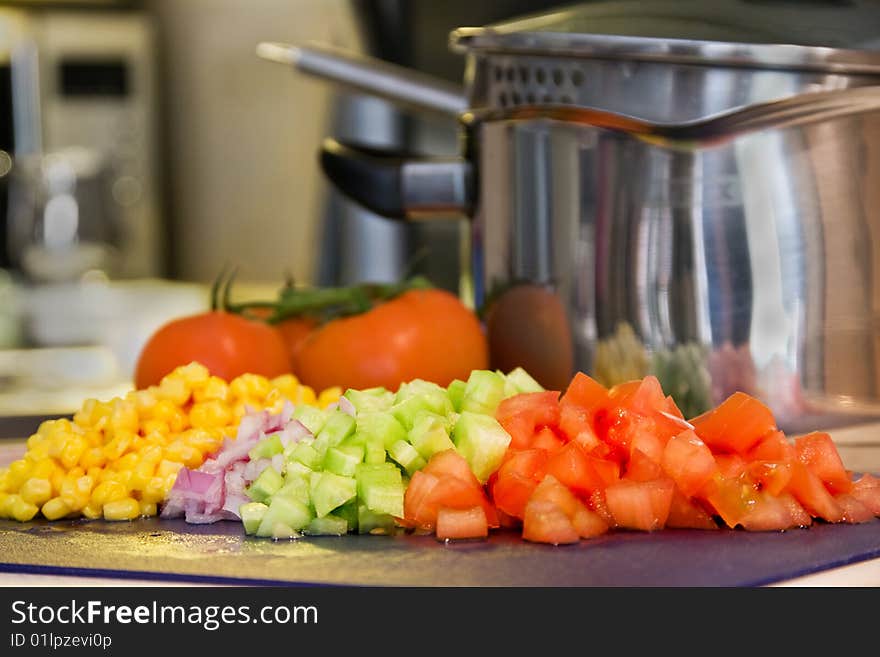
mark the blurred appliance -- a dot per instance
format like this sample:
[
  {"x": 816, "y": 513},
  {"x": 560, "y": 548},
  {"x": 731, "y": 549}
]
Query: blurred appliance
[{"x": 78, "y": 100}]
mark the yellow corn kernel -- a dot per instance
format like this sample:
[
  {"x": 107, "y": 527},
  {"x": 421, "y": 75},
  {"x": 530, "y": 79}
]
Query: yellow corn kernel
[
  {"x": 213, "y": 389},
  {"x": 55, "y": 508},
  {"x": 211, "y": 413},
  {"x": 4, "y": 486},
  {"x": 35, "y": 440},
  {"x": 22, "y": 510},
  {"x": 72, "y": 451},
  {"x": 108, "y": 491},
  {"x": 126, "y": 462},
  {"x": 155, "y": 428},
  {"x": 174, "y": 417},
  {"x": 167, "y": 467},
  {"x": 205, "y": 441},
  {"x": 36, "y": 491},
  {"x": 149, "y": 509},
  {"x": 119, "y": 445},
  {"x": 253, "y": 386},
  {"x": 329, "y": 396},
  {"x": 75, "y": 492},
  {"x": 19, "y": 471},
  {"x": 182, "y": 453},
  {"x": 155, "y": 490},
  {"x": 173, "y": 390},
  {"x": 93, "y": 414},
  {"x": 93, "y": 457},
  {"x": 45, "y": 469},
  {"x": 193, "y": 374},
  {"x": 126, "y": 508},
  {"x": 95, "y": 473},
  {"x": 6, "y": 505},
  {"x": 124, "y": 417},
  {"x": 142, "y": 474},
  {"x": 92, "y": 511}
]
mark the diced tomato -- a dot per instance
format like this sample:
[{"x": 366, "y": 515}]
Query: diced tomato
[
  {"x": 524, "y": 414},
  {"x": 730, "y": 497},
  {"x": 817, "y": 451},
  {"x": 646, "y": 440},
  {"x": 808, "y": 489},
  {"x": 735, "y": 425},
  {"x": 462, "y": 523},
  {"x": 854, "y": 511},
  {"x": 768, "y": 513},
  {"x": 642, "y": 467},
  {"x": 511, "y": 492},
  {"x": 450, "y": 463},
  {"x": 586, "y": 522},
  {"x": 799, "y": 515},
  {"x": 642, "y": 505},
  {"x": 420, "y": 485},
  {"x": 775, "y": 446},
  {"x": 866, "y": 490},
  {"x": 545, "y": 522},
  {"x": 689, "y": 462},
  {"x": 599, "y": 504},
  {"x": 571, "y": 466},
  {"x": 585, "y": 392},
  {"x": 771, "y": 476},
  {"x": 576, "y": 423},
  {"x": 547, "y": 439},
  {"x": 730, "y": 465},
  {"x": 687, "y": 513},
  {"x": 527, "y": 462}
]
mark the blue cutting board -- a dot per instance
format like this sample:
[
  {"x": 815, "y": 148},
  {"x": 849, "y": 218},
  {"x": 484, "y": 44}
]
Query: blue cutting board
[{"x": 153, "y": 549}]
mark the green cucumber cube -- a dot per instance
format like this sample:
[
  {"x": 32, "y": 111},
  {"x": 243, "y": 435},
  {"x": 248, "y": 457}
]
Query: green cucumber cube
[
  {"x": 267, "y": 483},
  {"x": 455, "y": 392},
  {"x": 383, "y": 428},
  {"x": 284, "y": 518},
  {"x": 332, "y": 491},
  {"x": 296, "y": 487},
  {"x": 252, "y": 514},
  {"x": 430, "y": 435},
  {"x": 337, "y": 428},
  {"x": 370, "y": 522},
  {"x": 370, "y": 400},
  {"x": 380, "y": 488},
  {"x": 305, "y": 454},
  {"x": 407, "y": 455},
  {"x": 522, "y": 381},
  {"x": 329, "y": 525},
  {"x": 374, "y": 453},
  {"x": 482, "y": 441},
  {"x": 421, "y": 397},
  {"x": 296, "y": 469},
  {"x": 313, "y": 418},
  {"x": 342, "y": 460},
  {"x": 267, "y": 447},
  {"x": 349, "y": 513},
  {"x": 483, "y": 392}
]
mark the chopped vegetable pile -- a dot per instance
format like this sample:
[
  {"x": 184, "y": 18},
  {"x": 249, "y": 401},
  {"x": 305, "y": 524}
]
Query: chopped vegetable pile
[
  {"x": 499, "y": 451},
  {"x": 118, "y": 459}
]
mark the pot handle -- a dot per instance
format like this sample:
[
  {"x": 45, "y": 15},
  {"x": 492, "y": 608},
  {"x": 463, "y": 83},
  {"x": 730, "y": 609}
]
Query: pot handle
[{"x": 396, "y": 186}]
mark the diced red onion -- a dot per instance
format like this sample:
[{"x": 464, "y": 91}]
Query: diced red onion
[{"x": 344, "y": 404}]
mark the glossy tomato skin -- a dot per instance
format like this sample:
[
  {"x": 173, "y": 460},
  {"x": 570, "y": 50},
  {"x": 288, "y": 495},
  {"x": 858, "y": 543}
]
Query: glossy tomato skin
[
  {"x": 295, "y": 331},
  {"x": 422, "y": 334},
  {"x": 228, "y": 345}
]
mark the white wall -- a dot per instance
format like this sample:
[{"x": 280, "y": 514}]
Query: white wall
[{"x": 242, "y": 134}]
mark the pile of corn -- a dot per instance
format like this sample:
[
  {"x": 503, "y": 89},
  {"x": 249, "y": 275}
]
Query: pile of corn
[{"x": 118, "y": 459}]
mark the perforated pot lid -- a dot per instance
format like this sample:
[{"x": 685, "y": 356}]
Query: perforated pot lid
[{"x": 827, "y": 35}]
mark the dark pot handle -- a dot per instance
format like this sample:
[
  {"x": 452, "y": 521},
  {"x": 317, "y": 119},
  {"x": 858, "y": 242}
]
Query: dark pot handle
[{"x": 396, "y": 185}]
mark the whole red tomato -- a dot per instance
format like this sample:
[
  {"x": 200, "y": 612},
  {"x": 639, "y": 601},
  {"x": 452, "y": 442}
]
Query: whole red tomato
[
  {"x": 226, "y": 343},
  {"x": 421, "y": 334}
]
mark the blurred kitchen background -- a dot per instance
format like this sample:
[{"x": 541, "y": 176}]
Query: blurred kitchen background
[{"x": 144, "y": 146}]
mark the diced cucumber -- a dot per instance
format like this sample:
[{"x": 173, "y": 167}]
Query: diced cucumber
[
  {"x": 313, "y": 418},
  {"x": 296, "y": 487},
  {"x": 522, "y": 381},
  {"x": 267, "y": 483},
  {"x": 380, "y": 488},
  {"x": 296, "y": 469},
  {"x": 384, "y": 428},
  {"x": 349, "y": 513},
  {"x": 342, "y": 460},
  {"x": 307, "y": 455},
  {"x": 431, "y": 398},
  {"x": 370, "y": 400},
  {"x": 284, "y": 518},
  {"x": 407, "y": 455},
  {"x": 374, "y": 452},
  {"x": 332, "y": 491},
  {"x": 329, "y": 525},
  {"x": 370, "y": 522},
  {"x": 482, "y": 441},
  {"x": 429, "y": 435},
  {"x": 337, "y": 428},
  {"x": 267, "y": 447},
  {"x": 483, "y": 392},
  {"x": 252, "y": 514},
  {"x": 455, "y": 392}
]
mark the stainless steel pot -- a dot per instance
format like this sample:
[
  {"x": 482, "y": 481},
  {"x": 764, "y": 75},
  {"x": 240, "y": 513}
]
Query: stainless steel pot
[{"x": 649, "y": 193}]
